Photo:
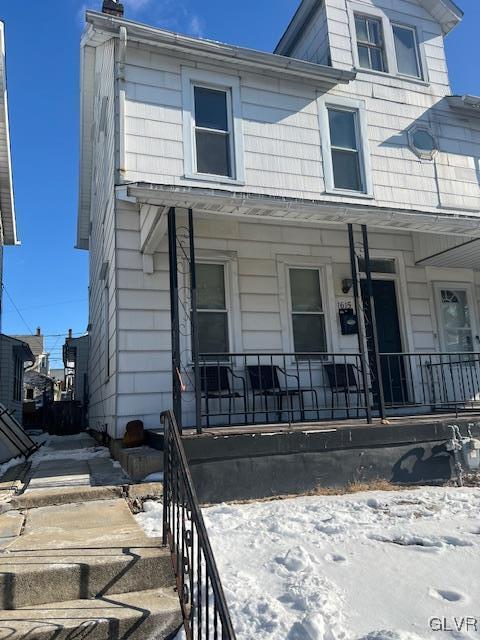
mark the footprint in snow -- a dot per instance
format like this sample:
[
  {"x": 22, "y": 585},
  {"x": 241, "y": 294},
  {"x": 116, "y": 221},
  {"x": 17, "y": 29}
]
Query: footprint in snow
[
  {"x": 335, "y": 558},
  {"x": 297, "y": 559},
  {"x": 447, "y": 595}
]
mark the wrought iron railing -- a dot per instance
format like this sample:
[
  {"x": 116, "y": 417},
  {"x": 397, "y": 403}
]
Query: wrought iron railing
[
  {"x": 259, "y": 388},
  {"x": 202, "y": 599}
]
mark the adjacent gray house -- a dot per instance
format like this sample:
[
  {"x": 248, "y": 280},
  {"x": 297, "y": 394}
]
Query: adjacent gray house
[{"x": 288, "y": 236}]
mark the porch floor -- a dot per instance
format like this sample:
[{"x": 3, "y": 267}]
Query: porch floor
[{"x": 428, "y": 420}]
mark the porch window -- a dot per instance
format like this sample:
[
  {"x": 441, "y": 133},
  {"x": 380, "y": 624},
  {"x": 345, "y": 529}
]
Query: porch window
[
  {"x": 213, "y": 131},
  {"x": 455, "y": 320},
  {"x": 308, "y": 315},
  {"x": 370, "y": 43},
  {"x": 344, "y": 143},
  {"x": 406, "y": 49},
  {"x": 212, "y": 309}
]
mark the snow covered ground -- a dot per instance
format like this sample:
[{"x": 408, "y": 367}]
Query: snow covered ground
[
  {"x": 367, "y": 566},
  {"x": 72, "y": 447}
]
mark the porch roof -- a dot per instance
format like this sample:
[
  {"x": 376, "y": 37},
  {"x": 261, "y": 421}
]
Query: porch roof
[
  {"x": 251, "y": 205},
  {"x": 465, "y": 255}
]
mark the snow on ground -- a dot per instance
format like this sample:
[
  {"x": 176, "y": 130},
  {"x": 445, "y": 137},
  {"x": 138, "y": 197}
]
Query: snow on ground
[
  {"x": 61, "y": 447},
  {"x": 368, "y": 566},
  {"x": 13, "y": 462}
]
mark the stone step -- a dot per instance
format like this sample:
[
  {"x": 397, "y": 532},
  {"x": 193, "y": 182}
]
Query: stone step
[
  {"x": 144, "y": 615},
  {"x": 77, "y": 551},
  {"x": 140, "y": 462}
]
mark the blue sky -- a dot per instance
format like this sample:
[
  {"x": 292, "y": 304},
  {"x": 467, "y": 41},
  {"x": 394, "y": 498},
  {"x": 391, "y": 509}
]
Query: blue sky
[{"x": 46, "y": 277}]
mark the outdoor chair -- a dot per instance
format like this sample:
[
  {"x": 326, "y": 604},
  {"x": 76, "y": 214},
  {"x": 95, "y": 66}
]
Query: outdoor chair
[
  {"x": 264, "y": 381},
  {"x": 342, "y": 379},
  {"x": 217, "y": 383}
]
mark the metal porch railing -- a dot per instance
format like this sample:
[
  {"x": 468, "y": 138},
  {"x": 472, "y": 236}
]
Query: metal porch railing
[
  {"x": 259, "y": 388},
  {"x": 202, "y": 600}
]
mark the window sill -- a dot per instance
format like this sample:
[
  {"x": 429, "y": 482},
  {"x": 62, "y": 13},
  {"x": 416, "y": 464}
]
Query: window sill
[
  {"x": 350, "y": 194},
  {"x": 392, "y": 76},
  {"x": 203, "y": 177}
]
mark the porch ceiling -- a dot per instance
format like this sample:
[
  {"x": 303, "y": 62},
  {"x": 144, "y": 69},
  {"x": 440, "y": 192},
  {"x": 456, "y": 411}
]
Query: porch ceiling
[
  {"x": 217, "y": 201},
  {"x": 464, "y": 256}
]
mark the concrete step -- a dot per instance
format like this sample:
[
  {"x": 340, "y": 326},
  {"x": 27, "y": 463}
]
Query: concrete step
[
  {"x": 140, "y": 462},
  {"x": 145, "y": 615},
  {"x": 155, "y": 438},
  {"x": 77, "y": 551}
]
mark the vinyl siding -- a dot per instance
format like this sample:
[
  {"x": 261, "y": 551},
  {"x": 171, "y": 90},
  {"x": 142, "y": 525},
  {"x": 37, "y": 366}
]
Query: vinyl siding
[
  {"x": 102, "y": 409},
  {"x": 282, "y": 143}
]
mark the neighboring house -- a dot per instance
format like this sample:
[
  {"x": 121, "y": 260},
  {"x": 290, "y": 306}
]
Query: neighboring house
[
  {"x": 37, "y": 345},
  {"x": 244, "y": 170},
  {"x": 14, "y": 353},
  {"x": 75, "y": 359}
]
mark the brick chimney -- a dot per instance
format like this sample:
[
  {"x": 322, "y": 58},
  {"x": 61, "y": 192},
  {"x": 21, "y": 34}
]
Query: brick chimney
[
  {"x": 70, "y": 333},
  {"x": 39, "y": 331},
  {"x": 113, "y": 8}
]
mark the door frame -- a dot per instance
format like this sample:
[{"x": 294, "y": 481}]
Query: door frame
[{"x": 469, "y": 288}]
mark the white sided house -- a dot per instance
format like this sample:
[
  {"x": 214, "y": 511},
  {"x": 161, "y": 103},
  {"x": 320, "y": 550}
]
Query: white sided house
[{"x": 289, "y": 236}]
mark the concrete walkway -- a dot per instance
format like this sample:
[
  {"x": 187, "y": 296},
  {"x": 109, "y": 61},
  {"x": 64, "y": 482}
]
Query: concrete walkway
[{"x": 73, "y": 564}]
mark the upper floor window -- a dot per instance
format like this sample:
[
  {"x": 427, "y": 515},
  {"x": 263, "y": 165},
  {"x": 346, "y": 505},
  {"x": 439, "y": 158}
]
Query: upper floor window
[
  {"x": 345, "y": 151},
  {"x": 212, "y": 127},
  {"x": 213, "y": 131},
  {"x": 344, "y": 137},
  {"x": 406, "y": 50},
  {"x": 370, "y": 43}
]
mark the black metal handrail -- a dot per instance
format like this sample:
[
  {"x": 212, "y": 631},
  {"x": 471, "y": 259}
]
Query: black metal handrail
[{"x": 202, "y": 599}]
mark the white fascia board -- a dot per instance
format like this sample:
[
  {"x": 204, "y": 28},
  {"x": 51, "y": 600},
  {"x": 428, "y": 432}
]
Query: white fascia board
[
  {"x": 7, "y": 202},
  {"x": 467, "y": 103},
  {"x": 241, "y": 58}
]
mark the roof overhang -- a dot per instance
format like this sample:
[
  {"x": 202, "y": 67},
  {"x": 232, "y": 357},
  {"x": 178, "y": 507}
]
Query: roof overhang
[
  {"x": 226, "y": 54},
  {"x": 445, "y": 12},
  {"x": 297, "y": 211},
  {"x": 468, "y": 104},
  {"x": 7, "y": 206}
]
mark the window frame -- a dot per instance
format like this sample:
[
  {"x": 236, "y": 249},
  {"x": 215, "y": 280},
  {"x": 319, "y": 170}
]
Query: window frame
[
  {"x": 388, "y": 20},
  {"x": 382, "y": 47},
  {"x": 413, "y": 29},
  {"x": 192, "y": 78},
  {"x": 291, "y": 312},
  {"x": 361, "y": 130},
  {"x": 227, "y": 309},
  {"x": 438, "y": 287}
]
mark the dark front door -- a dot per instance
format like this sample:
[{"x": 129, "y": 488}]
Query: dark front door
[{"x": 389, "y": 340}]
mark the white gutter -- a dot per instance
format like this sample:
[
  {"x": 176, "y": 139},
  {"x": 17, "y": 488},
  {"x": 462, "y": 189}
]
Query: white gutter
[{"x": 250, "y": 59}]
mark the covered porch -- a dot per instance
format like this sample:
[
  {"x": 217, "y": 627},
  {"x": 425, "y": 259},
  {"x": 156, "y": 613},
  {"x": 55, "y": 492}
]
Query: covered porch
[{"x": 352, "y": 314}]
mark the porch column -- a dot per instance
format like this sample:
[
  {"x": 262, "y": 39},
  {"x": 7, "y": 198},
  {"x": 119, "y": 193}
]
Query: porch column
[
  {"x": 373, "y": 318},
  {"x": 194, "y": 324},
  {"x": 174, "y": 316},
  {"x": 362, "y": 335}
]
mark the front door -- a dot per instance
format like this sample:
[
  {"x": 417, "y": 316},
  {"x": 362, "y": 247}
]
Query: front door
[{"x": 389, "y": 339}]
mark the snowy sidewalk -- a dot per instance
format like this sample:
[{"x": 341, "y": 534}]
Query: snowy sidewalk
[{"x": 370, "y": 566}]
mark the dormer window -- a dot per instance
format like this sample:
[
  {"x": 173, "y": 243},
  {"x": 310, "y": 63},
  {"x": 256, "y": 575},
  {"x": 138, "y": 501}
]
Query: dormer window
[
  {"x": 370, "y": 43},
  {"x": 406, "y": 50}
]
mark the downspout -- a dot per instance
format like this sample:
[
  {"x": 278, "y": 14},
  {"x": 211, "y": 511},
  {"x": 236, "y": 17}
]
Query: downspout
[{"x": 121, "y": 81}]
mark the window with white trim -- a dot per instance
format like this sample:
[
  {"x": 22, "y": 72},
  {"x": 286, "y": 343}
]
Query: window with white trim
[
  {"x": 213, "y": 131},
  {"x": 212, "y": 127},
  {"x": 307, "y": 311},
  {"x": 212, "y": 310},
  {"x": 370, "y": 43},
  {"x": 345, "y": 149},
  {"x": 406, "y": 50},
  {"x": 455, "y": 319}
]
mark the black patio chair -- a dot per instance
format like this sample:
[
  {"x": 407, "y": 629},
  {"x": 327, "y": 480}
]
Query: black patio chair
[
  {"x": 217, "y": 383},
  {"x": 342, "y": 379},
  {"x": 264, "y": 381}
]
